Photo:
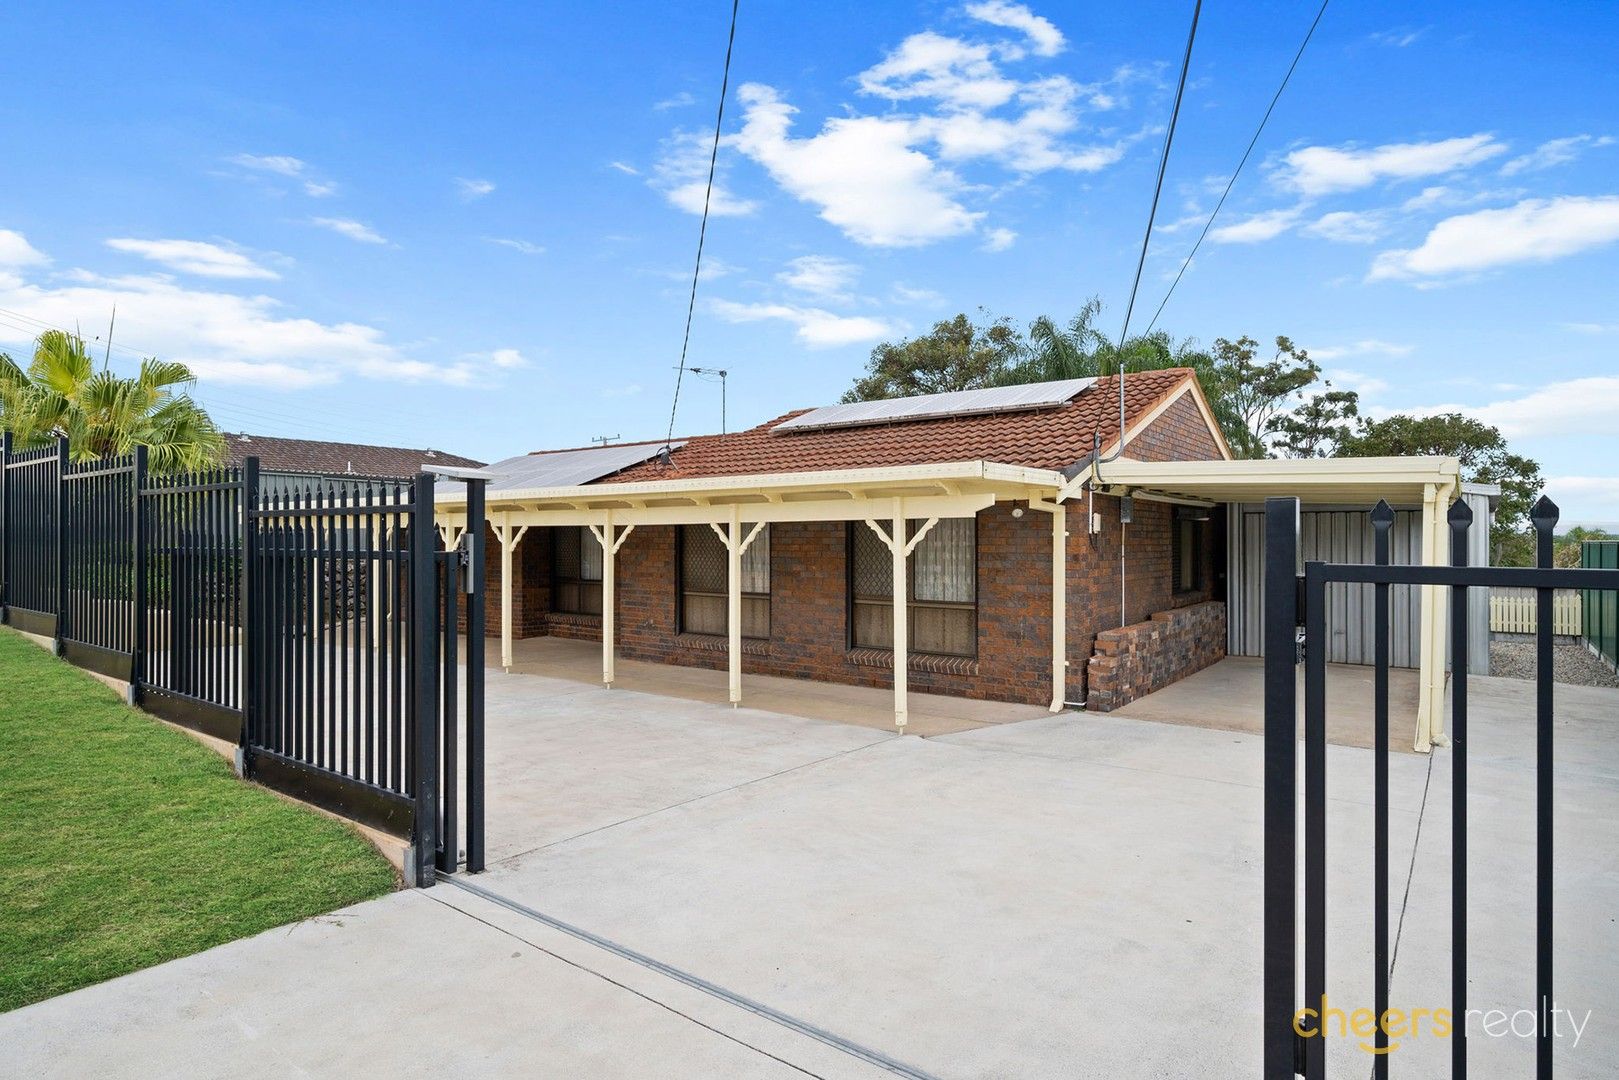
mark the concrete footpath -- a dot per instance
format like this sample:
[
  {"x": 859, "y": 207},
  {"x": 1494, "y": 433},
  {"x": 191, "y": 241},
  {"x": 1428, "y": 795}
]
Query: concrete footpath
[{"x": 428, "y": 983}]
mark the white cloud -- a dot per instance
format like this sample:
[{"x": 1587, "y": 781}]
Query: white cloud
[
  {"x": 930, "y": 65},
  {"x": 861, "y": 171},
  {"x": 194, "y": 257},
  {"x": 472, "y": 190},
  {"x": 1364, "y": 347},
  {"x": 999, "y": 239},
  {"x": 1534, "y": 230},
  {"x": 625, "y": 390},
  {"x": 1044, "y": 37},
  {"x": 890, "y": 180},
  {"x": 681, "y": 173},
  {"x": 905, "y": 294},
  {"x": 16, "y": 251},
  {"x": 1257, "y": 228},
  {"x": 280, "y": 164},
  {"x": 678, "y": 101},
  {"x": 1555, "y": 152},
  {"x": 227, "y": 338},
  {"x": 1349, "y": 226},
  {"x": 285, "y": 165},
  {"x": 1585, "y": 499},
  {"x": 820, "y": 276},
  {"x": 516, "y": 245},
  {"x": 1321, "y": 170},
  {"x": 816, "y": 328},
  {"x": 1592, "y": 327},
  {"x": 504, "y": 359},
  {"x": 350, "y": 228},
  {"x": 627, "y": 170},
  {"x": 1586, "y": 406},
  {"x": 1367, "y": 386},
  {"x": 1396, "y": 39}
]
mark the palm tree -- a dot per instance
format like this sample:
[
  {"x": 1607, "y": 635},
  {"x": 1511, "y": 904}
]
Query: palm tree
[{"x": 102, "y": 414}]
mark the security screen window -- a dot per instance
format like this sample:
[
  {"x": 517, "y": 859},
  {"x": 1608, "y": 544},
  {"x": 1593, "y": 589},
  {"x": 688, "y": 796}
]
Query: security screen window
[
  {"x": 942, "y": 592},
  {"x": 576, "y": 559},
  {"x": 703, "y": 569},
  {"x": 1186, "y": 550}
]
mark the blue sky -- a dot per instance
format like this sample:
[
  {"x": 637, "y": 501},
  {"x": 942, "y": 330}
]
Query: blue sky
[{"x": 472, "y": 228}]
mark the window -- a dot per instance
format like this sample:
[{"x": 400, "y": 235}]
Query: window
[
  {"x": 703, "y": 572},
  {"x": 942, "y": 590},
  {"x": 576, "y": 562},
  {"x": 1186, "y": 550}
]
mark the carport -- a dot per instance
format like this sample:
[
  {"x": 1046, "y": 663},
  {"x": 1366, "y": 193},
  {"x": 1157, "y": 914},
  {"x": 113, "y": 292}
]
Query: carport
[
  {"x": 737, "y": 508},
  {"x": 1431, "y": 483}
]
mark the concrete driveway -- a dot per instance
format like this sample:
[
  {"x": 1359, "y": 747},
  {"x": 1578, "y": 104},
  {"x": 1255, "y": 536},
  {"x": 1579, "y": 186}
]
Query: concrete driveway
[{"x": 1068, "y": 896}]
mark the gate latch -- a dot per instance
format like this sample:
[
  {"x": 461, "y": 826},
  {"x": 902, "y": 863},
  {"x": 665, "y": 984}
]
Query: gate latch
[{"x": 464, "y": 562}]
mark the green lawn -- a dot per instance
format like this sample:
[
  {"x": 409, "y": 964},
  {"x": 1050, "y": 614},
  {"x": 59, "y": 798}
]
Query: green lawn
[{"x": 128, "y": 843}]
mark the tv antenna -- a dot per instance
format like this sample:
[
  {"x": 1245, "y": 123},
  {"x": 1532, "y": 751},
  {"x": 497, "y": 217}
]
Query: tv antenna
[
  {"x": 721, "y": 374},
  {"x": 603, "y": 440}
]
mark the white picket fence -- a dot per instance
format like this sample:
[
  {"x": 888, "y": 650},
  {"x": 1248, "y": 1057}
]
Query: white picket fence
[{"x": 1512, "y": 611}]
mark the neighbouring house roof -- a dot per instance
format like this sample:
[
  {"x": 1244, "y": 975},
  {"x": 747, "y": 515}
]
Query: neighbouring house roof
[
  {"x": 573, "y": 466},
  {"x": 1050, "y": 438},
  {"x": 319, "y": 457}
]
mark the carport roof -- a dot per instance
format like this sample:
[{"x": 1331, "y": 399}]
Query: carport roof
[{"x": 1351, "y": 481}]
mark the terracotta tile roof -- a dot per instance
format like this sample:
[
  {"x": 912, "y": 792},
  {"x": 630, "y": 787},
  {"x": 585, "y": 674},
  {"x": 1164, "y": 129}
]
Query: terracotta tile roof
[
  {"x": 314, "y": 456},
  {"x": 1041, "y": 439}
]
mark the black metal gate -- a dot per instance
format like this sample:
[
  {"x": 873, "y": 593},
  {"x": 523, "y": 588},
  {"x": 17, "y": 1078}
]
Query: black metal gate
[
  {"x": 30, "y": 517},
  {"x": 1293, "y": 602},
  {"x": 310, "y": 620}
]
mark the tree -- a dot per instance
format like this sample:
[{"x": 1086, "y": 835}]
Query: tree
[
  {"x": 1485, "y": 459},
  {"x": 1316, "y": 427},
  {"x": 1256, "y": 403},
  {"x": 1566, "y": 549},
  {"x": 1257, "y": 394},
  {"x": 103, "y": 414},
  {"x": 956, "y": 354}
]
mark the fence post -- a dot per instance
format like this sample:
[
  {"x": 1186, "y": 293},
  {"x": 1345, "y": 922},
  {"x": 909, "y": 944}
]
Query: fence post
[
  {"x": 247, "y": 639},
  {"x": 138, "y": 597},
  {"x": 61, "y": 543},
  {"x": 1281, "y": 1045},
  {"x": 475, "y": 682},
  {"x": 424, "y": 677},
  {"x": 5, "y": 523}
]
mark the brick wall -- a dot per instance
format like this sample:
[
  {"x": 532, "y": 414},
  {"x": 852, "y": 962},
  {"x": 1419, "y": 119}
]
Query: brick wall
[
  {"x": 809, "y": 614},
  {"x": 1147, "y": 656}
]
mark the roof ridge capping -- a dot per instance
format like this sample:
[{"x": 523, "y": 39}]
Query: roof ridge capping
[{"x": 1021, "y": 397}]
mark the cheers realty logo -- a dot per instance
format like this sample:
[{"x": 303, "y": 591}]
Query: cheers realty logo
[{"x": 1400, "y": 1025}]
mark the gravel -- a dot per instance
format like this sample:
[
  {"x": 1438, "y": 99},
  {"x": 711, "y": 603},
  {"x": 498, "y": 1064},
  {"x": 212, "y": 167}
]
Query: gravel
[{"x": 1570, "y": 664}]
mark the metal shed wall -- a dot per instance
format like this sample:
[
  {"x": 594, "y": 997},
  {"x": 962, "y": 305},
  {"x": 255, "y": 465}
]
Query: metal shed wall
[{"x": 1344, "y": 535}]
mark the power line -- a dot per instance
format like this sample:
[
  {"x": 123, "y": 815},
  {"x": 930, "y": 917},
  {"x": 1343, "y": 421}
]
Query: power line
[
  {"x": 1158, "y": 189},
  {"x": 702, "y": 229},
  {"x": 1238, "y": 172}
]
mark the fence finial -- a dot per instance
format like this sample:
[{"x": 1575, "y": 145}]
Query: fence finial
[
  {"x": 1460, "y": 515},
  {"x": 1544, "y": 513}
]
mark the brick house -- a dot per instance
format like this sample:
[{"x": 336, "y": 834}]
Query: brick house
[{"x": 771, "y": 550}]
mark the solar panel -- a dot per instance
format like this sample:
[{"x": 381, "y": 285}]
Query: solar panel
[
  {"x": 569, "y": 468},
  {"x": 1044, "y": 395}
]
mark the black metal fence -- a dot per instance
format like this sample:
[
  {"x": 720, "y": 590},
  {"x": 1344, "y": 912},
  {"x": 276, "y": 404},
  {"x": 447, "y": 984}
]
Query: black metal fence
[
  {"x": 1292, "y": 603},
  {"x": 311, "y": 621}
]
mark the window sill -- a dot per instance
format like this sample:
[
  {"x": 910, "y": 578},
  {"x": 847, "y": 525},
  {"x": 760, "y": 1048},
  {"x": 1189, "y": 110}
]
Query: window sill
[
  {"x": 931, "y": 662},
  {"x": 571, "y": 618},
  {"x": 719, "y": 643}
]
